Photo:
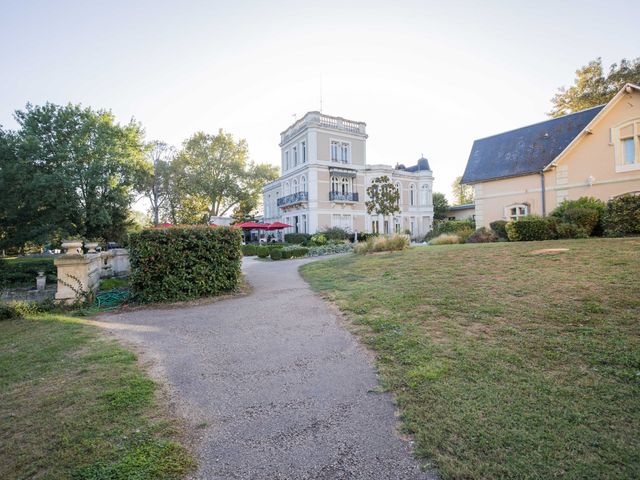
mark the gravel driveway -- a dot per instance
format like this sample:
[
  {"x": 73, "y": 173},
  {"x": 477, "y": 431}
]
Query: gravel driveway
[{"x": 273, "y": 386}]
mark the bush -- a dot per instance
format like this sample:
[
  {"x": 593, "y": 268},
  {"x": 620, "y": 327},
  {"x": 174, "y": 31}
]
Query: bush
[
  {"x": 248, "y": 250},
  {"x": 622, "y": 216},
  {"x": 295, "y": 251},
  {"x": 330, "y": 248},
  {"x": 184, "y": 263},
  {"x": 9, "y": 310},
  {"x": 500, "y": 227},
  {"x": 482, "y": 235},
  {"x": 286, "y": 254},
  {"x": 362, "y": 236},
  {"x": 590, "y": 203},
  {"x": 263, "y": 251},
  {"x": 463, "y": 228},
  {"x": 571, "y": 230},
  {"x": 586, "y": 219},
  {"x": 445, "y": 239},
  {"x": 22, "y": 271},
  {"x": 464, "y": 234},
  {"x": 318, "y": 239},
  {"x": 383, "y": 244},
  {"x": 530, "y": 228},
  {"x": 297, "y": 238},
  {"x": 276, "y": 254},
  {"x": 335, "y": 233}
]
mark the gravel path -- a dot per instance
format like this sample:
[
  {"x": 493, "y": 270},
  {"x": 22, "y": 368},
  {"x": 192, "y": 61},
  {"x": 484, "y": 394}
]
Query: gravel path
[{"x": 275, "y": 388}]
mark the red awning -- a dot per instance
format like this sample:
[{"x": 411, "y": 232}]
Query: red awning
[
  {"x": 278, "y": 226},
  {"x": 251, "y": 226}
]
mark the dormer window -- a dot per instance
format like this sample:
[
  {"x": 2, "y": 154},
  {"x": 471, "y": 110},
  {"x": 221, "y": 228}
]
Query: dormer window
[{"x": 626, "y": 139}]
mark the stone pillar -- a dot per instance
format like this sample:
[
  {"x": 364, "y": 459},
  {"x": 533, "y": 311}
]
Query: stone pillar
[
  {"x": 41, "y": 281},
  {"x": 121, "y": 266},
  {"x": 77, "y": 274}
]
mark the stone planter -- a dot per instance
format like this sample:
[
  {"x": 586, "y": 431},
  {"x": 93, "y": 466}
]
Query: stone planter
[
  {"x": 72, "y": 247},
  {"x": 41, "y": 281},
  {"x": 91, "y": 247}
]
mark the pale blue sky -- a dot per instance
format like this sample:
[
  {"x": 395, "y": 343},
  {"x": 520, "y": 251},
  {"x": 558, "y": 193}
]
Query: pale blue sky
[{"x": 427, "y": 77}]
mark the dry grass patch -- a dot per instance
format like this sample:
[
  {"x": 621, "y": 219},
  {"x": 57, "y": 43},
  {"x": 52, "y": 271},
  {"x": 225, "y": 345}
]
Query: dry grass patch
[{"x": 505, "y": 364}]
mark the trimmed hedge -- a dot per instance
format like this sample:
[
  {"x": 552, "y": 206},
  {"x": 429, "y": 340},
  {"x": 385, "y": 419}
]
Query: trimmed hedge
[
  {"x": 276, "y": 254},
  {"x": 530, "y": 228},
  {"x": 248, "y": 250},
  {"x": 22, "y": 271},
  {"x": 586, "y": 219},
  {"x": 462, "y": 228},
  {"x": 184, "y": 263},
  {"x": 262, "y": 251},
  {"x": 591, "y": 203},
  {"x": 500, "y": 227},
  {"x": 297, "y": 238},
  {"x": 622, "y": 216},
  {"x": 295, "y": 251}
]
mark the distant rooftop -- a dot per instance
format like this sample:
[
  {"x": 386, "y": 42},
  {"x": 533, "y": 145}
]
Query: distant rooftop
[
  {"x": 525, "y": 150},
  {"x": 317, "y": 119},
  {"x": 465, "y": 206},
  {"x": 423, "y": 164}
]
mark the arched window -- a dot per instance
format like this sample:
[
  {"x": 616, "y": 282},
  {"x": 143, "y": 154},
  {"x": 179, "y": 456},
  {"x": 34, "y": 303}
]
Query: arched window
[
  {"x": 334, "y": 184},
  {"x": 412, "y": 195},
  {"x": 517, "y": 211},
  {"x": 344, "y": 185},
  {"x": 287, "y": 189},
  {"x": 295, "y": 186},
  {"x": 303, "y": 184}
]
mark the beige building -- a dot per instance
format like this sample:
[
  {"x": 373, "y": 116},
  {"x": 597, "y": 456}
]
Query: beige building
[
  {"x": 325, "y": 176},
  {"x": 531, "y": 170}
]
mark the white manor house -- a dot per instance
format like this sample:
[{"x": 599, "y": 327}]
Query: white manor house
[{"x": 325, "y": 176}]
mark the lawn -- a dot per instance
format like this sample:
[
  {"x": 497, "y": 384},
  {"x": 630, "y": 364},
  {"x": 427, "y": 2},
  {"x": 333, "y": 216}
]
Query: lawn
[
  {"x": 76, "y": 405},
  {"x": 505, "y": 364}
]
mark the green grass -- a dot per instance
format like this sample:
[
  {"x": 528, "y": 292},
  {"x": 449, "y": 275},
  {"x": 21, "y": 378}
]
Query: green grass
[
  {"x": 111, "y": 283},
  {"x": 505, "y": 364},
  {"x": 76, "y": 405}
]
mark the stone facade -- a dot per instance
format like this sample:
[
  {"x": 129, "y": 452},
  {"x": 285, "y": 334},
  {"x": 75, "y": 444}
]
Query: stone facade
[{"x": 325, "y": 176}]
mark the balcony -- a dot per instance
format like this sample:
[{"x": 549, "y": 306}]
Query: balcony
[
  {"x": 343, "y": 197},
  {"x": 293, "y": 199}
]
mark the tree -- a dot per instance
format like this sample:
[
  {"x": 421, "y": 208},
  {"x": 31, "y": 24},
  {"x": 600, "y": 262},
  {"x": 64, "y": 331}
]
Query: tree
[
  {"x": 78, "y": 169},
  {"x": 592, "y": 87},
  {"x": 462, "y": 194},
  {"x": 215, "y": 170},
  {"x": 384, "y": 197},
  {"x": 156, "y": 182},
  {"x": 440, "y": 206},
  {"x": 246, "y": 211}
]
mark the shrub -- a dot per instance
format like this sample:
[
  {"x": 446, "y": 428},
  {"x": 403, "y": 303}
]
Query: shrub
[
  {"x": 318, "y": 239},
  {"x": 263, "y": 251},
  {"x": 330, "y": 248},
  {"x": 286, "y": 254},
  {"x": 571, "y": 230},
  {"x": 622, "y": 216},
  {"x": 295, "y": 251},
  {"x": 499, "y": 226},
  {"x": 590, "y": 203},
  {"x": 464, "y": 234},
  {"x": 462, "y": 227},
  {"x": 276, "y": 254},
  {"x": 445, "y": 239},
  {"x": 530, "y": 228},
  {"x": 584, "y": 218},
  {"x": 22, "y": 271},
  {"x": 335, "y": 233},
  {"x": 297, "y": 238},
  {"x": 383, "y": 244},
  {"x": 184, "y": 263},
  {"x": 362, "y": 236},
  {"x": 483, "y": 235},
  {"x": 248, "y": 250}
]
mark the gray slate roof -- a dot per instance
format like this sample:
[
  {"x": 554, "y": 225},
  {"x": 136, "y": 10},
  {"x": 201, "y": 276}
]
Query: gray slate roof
[
  {"x": 525, "y": 150},
  {"x": 423, "y": 164}
]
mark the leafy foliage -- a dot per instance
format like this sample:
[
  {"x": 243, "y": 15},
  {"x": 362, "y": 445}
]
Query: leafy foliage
[
  {"x": 593, "y": 87},
  {"x": 295, "y": 251},
  {"x": 184, "y": 263},
  {"x": 482, "y": 235},
  {"x": 298, "y": 238},
  {"x": 383, "y": 196},
  {"x": 335, "y": 233},
  {"x": 445, "y": 239},
  {"x": 275, "y": 254},
  {"x": 440, "y": 206},
  {"x": 262, "y": 251},
  {"x": 591, "y": 203},
  {"x": 462, "y": 194},
  {"x": 571, "y": 230},
  {"x": 462, "y": 228},
  {"x": 384, "y": 243},
  {"x": 22, "y": 271},
  {"x": 500, "y": 227},
  {"x": 622, "y": 216},
  {"x": 530, "y": 228}
]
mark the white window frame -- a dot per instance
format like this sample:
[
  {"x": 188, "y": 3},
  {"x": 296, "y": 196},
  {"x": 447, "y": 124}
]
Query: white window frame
[
  {"x": 286, "y": 160},
  {"x": 303, "y": 183},
  {"x": 295, "y": 155},
  {"x": 621, "y": 164},
  {"x": 332, "y": 157},
  {"x": 345, "y": 152},
  {"x": 303, "y": 151},
  {"x": 412, "y": 195},
  {"x": 521, "y": 210},
  {"x": 294, "y": 186}
]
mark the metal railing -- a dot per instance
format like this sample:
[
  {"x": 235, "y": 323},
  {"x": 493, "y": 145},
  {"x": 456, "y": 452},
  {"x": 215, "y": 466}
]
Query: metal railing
[
  {"x": 343, "y": 197},
  {"x": 292, "y": 199}
]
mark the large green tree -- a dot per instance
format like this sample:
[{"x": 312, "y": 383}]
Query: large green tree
[
  {"x": 440, "y": 206},
  {"x": 157, "y": 179},
  {"x": 75, "y": 174},
  {"x": 462, "y": 194},
  {"x": 215, "y": 170},
  {"x": 383, "y": 196},
  {"x": 593, "y": 86}
]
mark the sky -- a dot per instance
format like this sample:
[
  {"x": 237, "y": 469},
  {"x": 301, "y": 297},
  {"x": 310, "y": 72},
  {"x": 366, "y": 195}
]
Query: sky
[{"x": 427, "y": 77}]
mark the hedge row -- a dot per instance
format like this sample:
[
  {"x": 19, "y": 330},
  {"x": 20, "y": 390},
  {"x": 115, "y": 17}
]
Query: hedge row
[
  {"x": 22, "y": 271},
  {"x": 184, "y": 263}
]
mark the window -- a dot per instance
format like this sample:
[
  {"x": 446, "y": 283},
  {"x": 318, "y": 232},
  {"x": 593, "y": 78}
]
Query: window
[
  {"x": 304, "y": 224},
  {"x": 334, "y": 151},
  {"x": 295, "y": 156},
  {"x": 375, "y": 227},
  {"x": 424, "y": 195},
  {"x": 399, "y": 189},
  {"x": 344, "y": 153},
  {"x": 286, "y": 160},
  {"x": 627, "y": 146},
  {"x": 267, "y": 207},
  {"x": 412, "y": 195},
  {"x": 515, "y": 212},
  {"x": 303, "y": 151},
  {"x": 295, "y": 185},
  {"x": 303, "y": 184},
  {"x": 345, "y": 185},
  {"x": 334, "y": 184}
]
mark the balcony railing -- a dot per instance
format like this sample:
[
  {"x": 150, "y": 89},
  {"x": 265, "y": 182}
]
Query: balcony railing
[
  {"x": 343, "y": 197},
  {"x": 292, "y": 199}
]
